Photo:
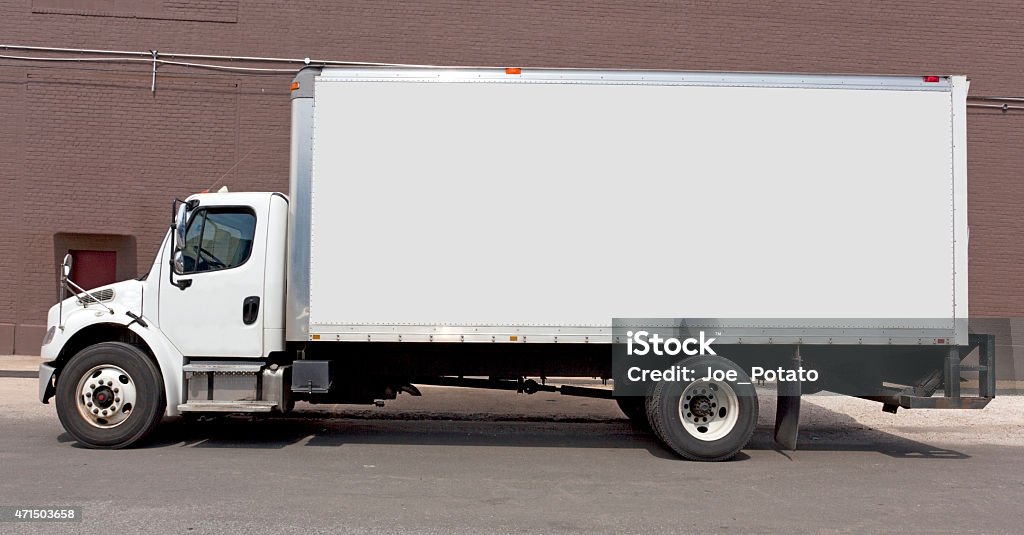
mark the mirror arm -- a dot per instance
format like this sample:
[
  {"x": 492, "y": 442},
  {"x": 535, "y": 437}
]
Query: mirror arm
[{"x": 181, "y": 284}]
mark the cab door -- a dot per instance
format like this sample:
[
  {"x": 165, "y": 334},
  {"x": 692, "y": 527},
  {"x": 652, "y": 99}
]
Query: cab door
[{"x": 219, "y": 310}]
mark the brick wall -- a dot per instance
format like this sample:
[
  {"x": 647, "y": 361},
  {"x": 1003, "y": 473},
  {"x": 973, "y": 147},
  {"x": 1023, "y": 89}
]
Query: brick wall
[{"x": 88, "y": 148}]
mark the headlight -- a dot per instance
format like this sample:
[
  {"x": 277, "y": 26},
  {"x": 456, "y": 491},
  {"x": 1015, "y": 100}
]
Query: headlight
[{"x": 49, "y": 335}]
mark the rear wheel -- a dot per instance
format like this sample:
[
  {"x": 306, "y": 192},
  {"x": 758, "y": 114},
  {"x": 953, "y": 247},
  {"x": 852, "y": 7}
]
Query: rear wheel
[
  {"x": 110, "y": 395},
  {"x": 704, "y": 420}
]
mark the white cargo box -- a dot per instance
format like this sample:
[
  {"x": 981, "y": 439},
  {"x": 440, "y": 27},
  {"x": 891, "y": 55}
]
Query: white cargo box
[{"x": 475, "y": 205}]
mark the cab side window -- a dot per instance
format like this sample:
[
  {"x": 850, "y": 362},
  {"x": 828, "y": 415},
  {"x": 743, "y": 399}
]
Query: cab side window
[{"x": 218, "y": 238}]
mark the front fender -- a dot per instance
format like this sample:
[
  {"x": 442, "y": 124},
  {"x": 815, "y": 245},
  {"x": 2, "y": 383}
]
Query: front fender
[{"x": 168, "y": 359}]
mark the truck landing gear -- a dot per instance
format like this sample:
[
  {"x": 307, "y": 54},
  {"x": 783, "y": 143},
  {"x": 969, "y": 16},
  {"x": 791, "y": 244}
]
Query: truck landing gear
[
  {"x": 704, "y": 420},
  {"x": 110, "y": 395}
]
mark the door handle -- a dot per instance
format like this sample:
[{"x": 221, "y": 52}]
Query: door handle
[{"x": 250, "y": 309}]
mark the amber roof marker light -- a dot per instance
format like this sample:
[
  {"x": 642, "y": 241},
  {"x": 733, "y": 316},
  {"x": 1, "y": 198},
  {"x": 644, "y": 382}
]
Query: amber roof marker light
[
  {"x": 294, "y": 86},
  {"x": 513, "y": 70}
]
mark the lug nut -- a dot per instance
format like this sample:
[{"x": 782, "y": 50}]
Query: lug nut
[
  {"x": 117, "y": 400},
  {"x": 89, "y": 404},
  {"x": 104, "y": 413},
  {"x": 116, "y": 390},
  {"x": 92, "y": 386},
  {"x": 95, "y": 411},
  {"x": 88, "y": 394}
]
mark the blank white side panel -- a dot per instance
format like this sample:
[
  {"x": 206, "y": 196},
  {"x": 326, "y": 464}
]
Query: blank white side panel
[{"x": 570, "y": 204}]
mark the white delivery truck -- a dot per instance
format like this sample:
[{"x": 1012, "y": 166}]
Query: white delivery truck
[{"x": 495, "y": 228}]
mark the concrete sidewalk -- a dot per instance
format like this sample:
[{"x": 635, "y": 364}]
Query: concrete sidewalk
[{"x": 19, "y": 365}]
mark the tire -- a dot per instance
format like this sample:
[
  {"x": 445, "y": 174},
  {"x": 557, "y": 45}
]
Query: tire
[
  {"x": 127, "y": 389},
  {"x": 635, "y": 408},
  {"x": 716, "y": 429}
]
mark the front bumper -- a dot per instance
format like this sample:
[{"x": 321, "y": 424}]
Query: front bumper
[{"x": 46, "y": 386}]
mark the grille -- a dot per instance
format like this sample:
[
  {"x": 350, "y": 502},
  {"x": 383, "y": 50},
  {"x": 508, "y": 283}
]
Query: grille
[{"x": 102, "y": 296}]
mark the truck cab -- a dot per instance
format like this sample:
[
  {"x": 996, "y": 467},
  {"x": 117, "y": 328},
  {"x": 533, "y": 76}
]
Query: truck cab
[
  {"x": 222, "y": 295},
  {"x": 214, "y": 292}
]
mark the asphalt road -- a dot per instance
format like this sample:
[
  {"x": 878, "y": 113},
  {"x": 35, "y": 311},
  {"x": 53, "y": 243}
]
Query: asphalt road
[{"x": 477, "y": 462}]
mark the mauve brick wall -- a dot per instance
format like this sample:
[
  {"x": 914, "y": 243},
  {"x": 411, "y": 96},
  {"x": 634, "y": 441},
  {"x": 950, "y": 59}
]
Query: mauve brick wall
[{"x": 90, "y": 149}]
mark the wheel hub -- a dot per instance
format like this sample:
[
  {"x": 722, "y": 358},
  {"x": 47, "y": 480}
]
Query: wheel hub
[
  {"x": 700, "y": 406},
  {"x": 106, "y": 396},
  {"x": 708, "y": 410}
]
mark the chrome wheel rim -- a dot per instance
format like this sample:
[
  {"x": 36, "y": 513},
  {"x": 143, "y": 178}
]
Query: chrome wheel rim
[
  {"x": 708, "y": 410},
  {"x": 106, "y": 396}
]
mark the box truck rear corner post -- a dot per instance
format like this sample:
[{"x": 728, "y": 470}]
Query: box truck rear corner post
[{"x": 499, "y": 228}]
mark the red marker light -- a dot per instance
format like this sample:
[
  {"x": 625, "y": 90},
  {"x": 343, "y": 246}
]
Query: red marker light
[{"x": 931, "y": 79}]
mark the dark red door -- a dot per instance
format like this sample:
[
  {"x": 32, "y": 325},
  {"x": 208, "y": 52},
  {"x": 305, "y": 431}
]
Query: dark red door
[{"x": 92, "y": 269}]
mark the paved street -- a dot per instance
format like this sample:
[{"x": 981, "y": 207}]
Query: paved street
[{"x": 479, "y": 461}]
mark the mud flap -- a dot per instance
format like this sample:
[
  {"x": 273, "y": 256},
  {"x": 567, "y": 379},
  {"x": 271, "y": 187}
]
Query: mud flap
[{"x": 787, "y": 410}]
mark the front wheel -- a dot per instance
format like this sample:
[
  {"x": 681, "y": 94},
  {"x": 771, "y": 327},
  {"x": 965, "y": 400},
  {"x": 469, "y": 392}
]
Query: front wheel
[
  {"x": 705, "y": 420},
  {"x": 110, "y": 395}
]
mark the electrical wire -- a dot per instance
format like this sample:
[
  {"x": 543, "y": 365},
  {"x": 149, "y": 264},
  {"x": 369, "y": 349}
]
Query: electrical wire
[
  {"x": 152, "y": 61},
  {"x": 997, "y": 99},
  {"x": 232, "y": 168},
  {"x": 149, "y": 55},
  {"x": 173, "y": 72},
  {"x": 1003, "y": 107},
  {"x": 153, "y": 57}
]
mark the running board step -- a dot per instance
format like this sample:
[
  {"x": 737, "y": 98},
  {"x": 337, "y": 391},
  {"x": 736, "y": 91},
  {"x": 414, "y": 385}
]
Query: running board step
[
  {"x": 228, "y": 406},
  {"x": 222, "y": 366}
]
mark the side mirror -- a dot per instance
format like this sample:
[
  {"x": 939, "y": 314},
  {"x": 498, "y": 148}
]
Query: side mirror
[
  {"x": 180, "y": 223},
  {"x": 178, "y": 261},
  {"x": 65, "y": 268},
  {"x": 180, "y": 211}
]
